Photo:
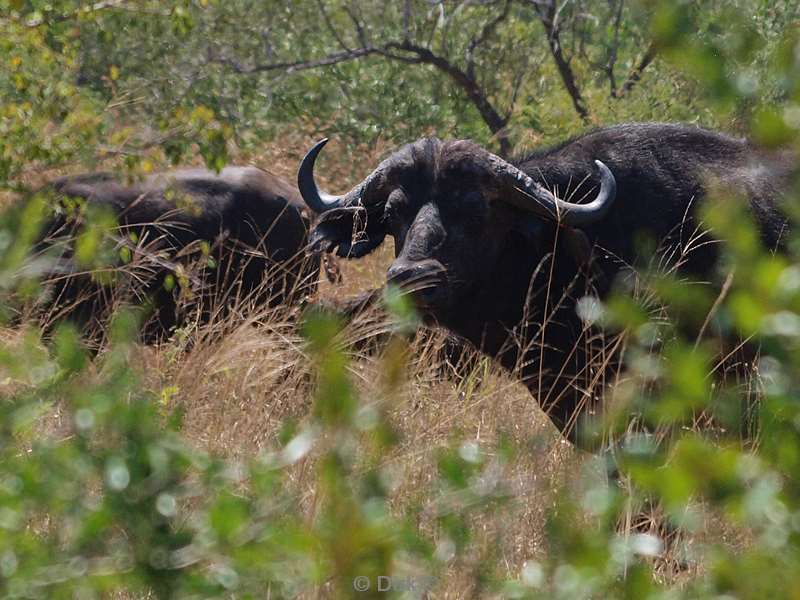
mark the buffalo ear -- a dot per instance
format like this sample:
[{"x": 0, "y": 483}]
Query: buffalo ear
[
  {"x": 530, "y": 227},
  {"x": 578, "y": 244},
  {"x": 350, "y": 230}
]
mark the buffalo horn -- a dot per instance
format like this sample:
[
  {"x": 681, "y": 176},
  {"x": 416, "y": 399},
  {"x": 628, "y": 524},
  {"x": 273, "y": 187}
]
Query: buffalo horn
[
  {"x": 321, "y": 202},
  {"x": 546, "y": 204},
  {"x": 317, "y": 200}
]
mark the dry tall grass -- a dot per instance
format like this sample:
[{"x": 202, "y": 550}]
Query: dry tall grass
[
  {"x": 238, "y": 390},
  {"x": 246, "y": 374}
]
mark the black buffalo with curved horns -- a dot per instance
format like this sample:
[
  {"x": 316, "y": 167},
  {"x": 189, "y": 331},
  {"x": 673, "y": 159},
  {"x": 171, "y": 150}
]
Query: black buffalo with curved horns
[
  {"x": 489, "y": 250},
  {"x": 195, "y": 244}
]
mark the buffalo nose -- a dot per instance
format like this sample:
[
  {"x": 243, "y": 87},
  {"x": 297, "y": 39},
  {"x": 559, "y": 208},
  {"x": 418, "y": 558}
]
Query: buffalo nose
[
  {"x": 425, "y": 281},
  {"x": 405, "y": 274}
]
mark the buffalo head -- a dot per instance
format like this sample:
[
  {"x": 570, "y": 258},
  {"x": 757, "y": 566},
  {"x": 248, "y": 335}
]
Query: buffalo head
[{"x": 449, "y": 207}]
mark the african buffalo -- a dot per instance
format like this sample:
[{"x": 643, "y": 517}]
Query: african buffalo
[
  {"x": 189, "y": 243},
  {"x": 489, "y": 251}
]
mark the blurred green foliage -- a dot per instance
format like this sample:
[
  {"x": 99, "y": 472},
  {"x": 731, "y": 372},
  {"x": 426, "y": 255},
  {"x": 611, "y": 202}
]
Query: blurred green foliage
[
  {"x": 120, "y": 501},
  {"x": 145, "y": 80}
]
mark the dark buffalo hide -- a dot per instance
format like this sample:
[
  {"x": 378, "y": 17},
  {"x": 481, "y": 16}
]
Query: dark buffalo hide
[
  {"x": 501, "y": 253},
  {"x": 190, "y": 244}
]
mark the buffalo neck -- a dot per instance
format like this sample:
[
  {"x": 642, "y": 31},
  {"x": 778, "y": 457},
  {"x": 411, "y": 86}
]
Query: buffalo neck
[{"x": 524, "y": 317}]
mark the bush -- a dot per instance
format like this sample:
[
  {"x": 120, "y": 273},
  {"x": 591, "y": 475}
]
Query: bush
[{"x": 103, "y": 492}]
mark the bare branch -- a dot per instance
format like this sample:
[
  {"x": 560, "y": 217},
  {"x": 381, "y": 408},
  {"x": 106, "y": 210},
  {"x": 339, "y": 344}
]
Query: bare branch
[
  {"x": 404, "y": 51},
  {"x": 435, "y": 26},
  {"x": 636, "y": 74},
  {"x": 612, "y": 52},
  {"x": 556, "y": 17},
  {"x": 487, "y": 31},
  {"x": 519, "y": 78},
  {"x": 407, "y": 20},
  {"x": 331, "y": 28},
  {"x": 473, "y": 90},
  {"x": 549, "y": 15},
  {"x": 362, "y": 36},
  {"x": 294, "y": 66}
]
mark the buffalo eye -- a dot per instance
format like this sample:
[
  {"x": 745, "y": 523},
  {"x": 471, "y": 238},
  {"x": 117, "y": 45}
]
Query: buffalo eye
[{"x": 395, "y": 205}]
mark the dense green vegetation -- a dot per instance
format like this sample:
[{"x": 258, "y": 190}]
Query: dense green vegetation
[{"x": 116, "y": 499}]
